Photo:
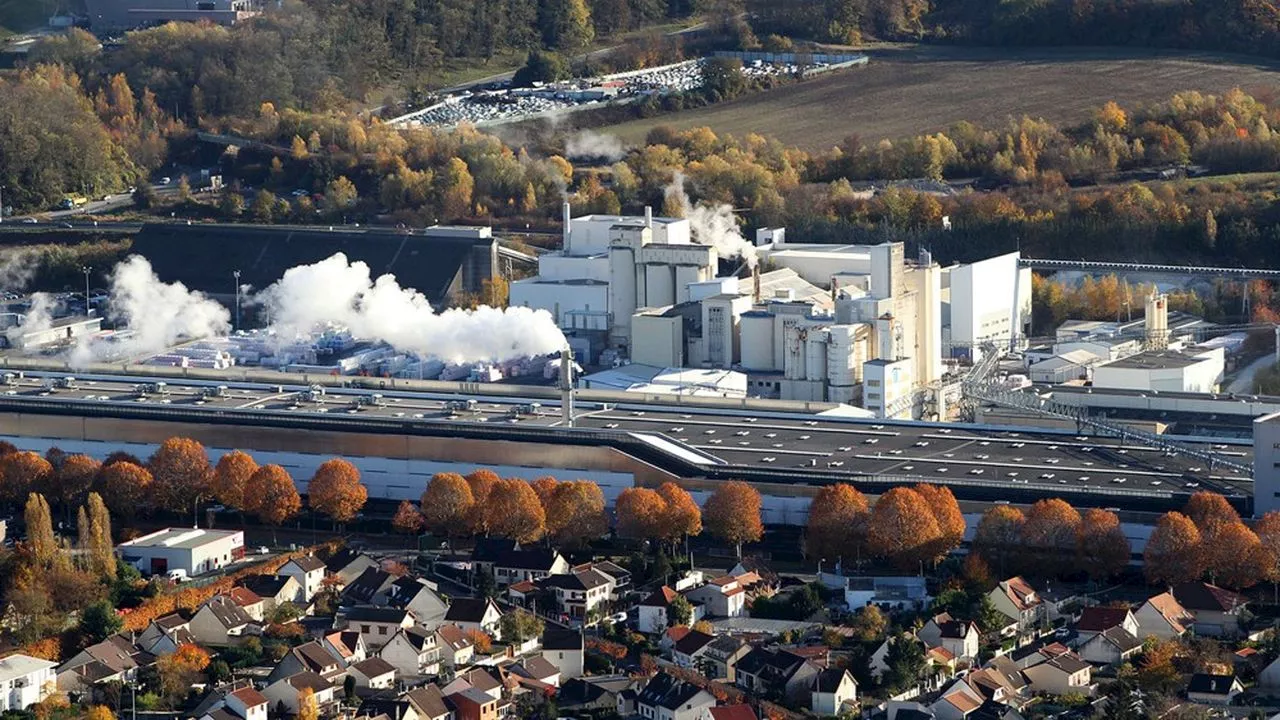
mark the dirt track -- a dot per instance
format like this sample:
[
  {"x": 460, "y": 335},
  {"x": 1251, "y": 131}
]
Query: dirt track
[{"x": 904, "y": 92}]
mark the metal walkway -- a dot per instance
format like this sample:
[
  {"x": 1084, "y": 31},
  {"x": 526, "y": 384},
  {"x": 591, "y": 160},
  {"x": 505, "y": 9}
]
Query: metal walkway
[{"x": 1121, "y": 267}]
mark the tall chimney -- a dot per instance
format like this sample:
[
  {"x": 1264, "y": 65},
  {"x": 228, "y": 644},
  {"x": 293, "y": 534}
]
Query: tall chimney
[
  {"x": 566, "y": 222},
  {"x": 648, "y": 216},
  {"x": 755, "y": 283},
  {"x": 566, "y": 386}
]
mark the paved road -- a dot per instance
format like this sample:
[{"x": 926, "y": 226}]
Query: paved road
[{"x": 116, "y": 201}]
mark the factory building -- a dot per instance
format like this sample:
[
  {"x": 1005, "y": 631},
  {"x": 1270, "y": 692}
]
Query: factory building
[
  {"x": 1198, "y": 370},
  {"x": 128, "y": 14},
  {"x": 58, "y": 331},
  {"x": 986, "y": 301},
  {"x": 610, "y": 267},
  {"x": 193, "y": 551}
]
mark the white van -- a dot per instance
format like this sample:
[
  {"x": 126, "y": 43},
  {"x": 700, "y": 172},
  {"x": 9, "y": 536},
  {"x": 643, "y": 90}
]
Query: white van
[{"x": 178, "y": 575}]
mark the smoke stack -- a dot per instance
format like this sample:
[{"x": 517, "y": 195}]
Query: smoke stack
[
  {"x": 566, "y": 222},
  {"x": 834, "y": 289},
  {"x": 755, "y": 283},
  {"x": 648, "y": 216},
  {"x": 566, "y": 386}
]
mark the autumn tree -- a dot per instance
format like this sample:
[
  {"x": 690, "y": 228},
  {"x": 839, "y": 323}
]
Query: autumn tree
[
  {"x": 71, "y": 479},
  {"x": 520, "y": 625},
  {"x": 681, "y": 518},
  {"x": 512, "y": 510},
  {"x": 1173, "y": 552},
  {"x": 181, "y": 669},
  {"x": 1213, "y": 515},
  {"x": 998, "y": 536},
  {"x": 308, "y": 706},
  {"x": 869, "y": 623},
  {"x": 1050, "y": 534},
  {"x": 902, "y": 528},
  {"x": 336, "y": 490},
  {"x": 640, "y": 513},
  {"x": 446, "y": 504},
  {"x": 456, "y": 188},
  {"x": 946, "y": 512},
  {"x": 407, "y": 519},
  {"x": 102, "y": 558},
  {"x": 276, "y": 497},
  {"x": 1242, "y": 560},
  {"x": 39, "y": 524},
  {"x": 837, "y": 522},
  {"x": 482, "y": 482},
  {"x": 99, "y": 712},
  {"x": 231, "y": 479},
  {"x": 544, "y": 486},
  {"x": 20, "y": 473},
  {"x": 125, "y": 487},
  {"x": 1268, "y": 531},
  {"x": 575, "y": 512},
  {"x": 732, "y": 513},
  {"x": 1102, "y": 547},
  {"x": 181, "y": 470}
]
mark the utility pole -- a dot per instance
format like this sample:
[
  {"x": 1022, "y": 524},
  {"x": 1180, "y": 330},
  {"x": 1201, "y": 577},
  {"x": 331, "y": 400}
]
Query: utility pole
[
  {"x": 236, "y": 274},
  {"x": 1, "y": 203},
  {"x": 87, "y": 270}
]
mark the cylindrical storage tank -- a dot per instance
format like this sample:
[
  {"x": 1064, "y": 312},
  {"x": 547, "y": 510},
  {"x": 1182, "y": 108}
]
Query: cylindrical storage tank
[
  {"x": 840, "y": 357},
  {"x": 815, "y": 361},
  {"x": 757, "y": 342},
  {"x": 793, "y": 367}
]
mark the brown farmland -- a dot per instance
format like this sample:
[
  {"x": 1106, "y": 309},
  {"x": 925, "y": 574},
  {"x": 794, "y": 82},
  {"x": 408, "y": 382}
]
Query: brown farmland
[{"x": 904, "y": 92}]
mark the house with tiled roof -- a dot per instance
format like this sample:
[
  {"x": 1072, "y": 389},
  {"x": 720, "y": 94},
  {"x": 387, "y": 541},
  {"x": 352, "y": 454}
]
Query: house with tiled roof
[
  {"x": 456, "y": 646},
  {"x": 346, "y": 565},
  {"x": 834, "y": 692},
  {"x": 288, "y": 691},
  {"x": 164, "y": 635},
  {"x": 373, "y": 674},
  {"x": 249, "y": 601},
  {"x": 237, "y": 702},
  {"x": 958, "y": 637},
  {"x": 377, "y": 625},
  {"x": 775, "y": 671},
  {"x": 221, "y": 622},
  {"x": 115, "y": 659},
  {"x": 1063, "y": 675},
  {"x": 413, "y": 651},
  {"x": 722, "y": 597},
  {"x": 429, "y": 703},
  {"x": 721, "y": 656},
  {"x": 688, "y": 651},
  {"x": 477, "y": 678},
  {"x": 275, "y": 590},
  {"x": 566, "y": 650},
  {"x": 309, "y": 657},
  {"x": 347, "y": 645},
  {"x": 1097, "y": 619},
  {"x": 741, "y": 711},
  {"x": 1163, "y": 617},
  {"x": 1017, "y": 600},
  {"x": 308, "y": 571},
  {"x": 419, "y": 597},
  {"x": 668, "y": 698},
  {"x": 1213, "y": 689},
  {"x": 652, "y": 614},
  {"x": 579, "y": 592},
  {"x": 1112, "y": 646},
  {"x": 370, "y": 587},
  {"x": 480, "y": 614},
  {"x": 1217, "y": 610},
  {"x": 509, "y": 562}
]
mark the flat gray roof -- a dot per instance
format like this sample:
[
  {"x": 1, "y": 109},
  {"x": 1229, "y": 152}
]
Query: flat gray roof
[
  {"x": 185, "y": 538},
  {"x": 1156, "y": 360}
]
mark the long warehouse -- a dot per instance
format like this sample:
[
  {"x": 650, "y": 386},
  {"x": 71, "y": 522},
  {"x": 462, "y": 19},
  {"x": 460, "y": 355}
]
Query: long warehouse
[{"x": 400, "y": 438}]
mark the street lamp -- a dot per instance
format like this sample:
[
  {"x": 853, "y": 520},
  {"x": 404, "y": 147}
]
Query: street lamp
[
  {"x": 236, "y": 275},
  {"x": 87, "y": 270}
]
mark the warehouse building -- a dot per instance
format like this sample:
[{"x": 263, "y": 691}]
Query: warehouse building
[
  {"x": 192, "y": 550},
  {"x": 127, "y": 14},
  {"x": 1197, "y": 371}
]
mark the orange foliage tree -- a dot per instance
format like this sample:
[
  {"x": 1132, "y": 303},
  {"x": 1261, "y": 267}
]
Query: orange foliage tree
[
  {"x": 1212, "y": 515},
  {"x": 446, "y": 504},
  {"x": 72, "y": 479},
  {"x": 231, "y": 479},
  {"x": 20, "y": 472},
  {"x": 1173, "y": 552},
  {"x": 125, "y": 488},
  {"x": 946, "y": 512},
  {"x": 902, "y": 528},
  {"x": 336, "y": 490},
  {"x": 181, "y": 669},
  {"x": 732, "y": 513},
  {"x": 407, "y": 519},
  {"x": 1242, "y": 560},
  {"x": 681, "y": 517},
  {"x": 1103, "y": 549},
  {"x": 276, "y": 497},
  {"x": 998, "y": 536},
  {"x": 182, "y": 473},
  {"x": 482, "y": 482},
  {"x": 512, "y": 510},
  {"x": 575, "y": 512},
  {"x": 837, "y": 522},
  {"x": 640, "y": 513},
  {"x": 1050, "y": 534}
]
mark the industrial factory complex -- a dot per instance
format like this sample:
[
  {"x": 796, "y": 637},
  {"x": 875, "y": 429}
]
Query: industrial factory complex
[{"x": 655, "y": 353}]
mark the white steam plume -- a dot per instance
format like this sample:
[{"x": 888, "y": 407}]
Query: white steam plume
[
  {"x": 159, "y": 314},
  {"x": 344, "y": 293},
  {"x": 17, "y": 267},
  {"x": 38, "y": 317},
  {"x": 588, "y": 145},
  {"x": 712, "y": 225}
]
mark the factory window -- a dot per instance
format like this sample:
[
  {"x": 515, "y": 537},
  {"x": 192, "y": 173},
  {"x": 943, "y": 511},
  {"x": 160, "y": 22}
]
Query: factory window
[
  {"x": 873, "y": 396},
  {"x": 873, "y": 383},
  {"x": 206, "y": 6}
]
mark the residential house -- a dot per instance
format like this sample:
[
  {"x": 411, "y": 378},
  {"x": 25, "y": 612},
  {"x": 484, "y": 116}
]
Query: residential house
[
  {"x": 1217, "y": 611},
  {"x": 373, "y": 674},
  {"x": 1063, "y": 675},
  {"x": 960, "y": 638},
  {"x": 891, "y": 592},
  {"x": 753, "y": 570},
  {"x": 346, "y": 565},
  {"x": 834, "y": 692},
  {"x": 998, "y": 682},
  {"x": 480, "y": 614},
  {"x": 309, "y": 657},
  {"x": 537, "y": 668},
  {"x": 1163, "y": 617},
  {"x": 596, "y": 692},
  {"x": 1110, "y": 647},
  {"x": 509, "y": 563},
  {"x": 581, "y": 593},
  {"x": 308, "y": 572},
  {"x": 1018, "y": 601},
  {"x": 376, "y": 625},
  {"x": 249, "y": 601},
  {"x": 775, "y": 672},
  {"x": 112, "y": 660},
  {"x": 741, "y": 711},
  {"x": 688, "y": 650},
  {"x": 565, "y": 650},
  {"x": 620, "y": 577},
  {"x": 429, "y": 703},
  {"x": 288, "y": 691},
  {"x": 721, "y": 656},
  {"x": 721, "y": 597},
  {"x": 166, "y": 634},
  {"x": 413, "y": 652},
  {"x": 653, "y": 614},
  {"x": 477, "y": 678},
  {"x": 347, "y": 645},
  {"x": 1096, "y": 620},
  {"x": 1269, "y": 676},
  {"x": 668, "y": 698},
  {"x": 471, "y": 704},
  {"x": 221, "y": 622},
  {"x": 275, "y": 590},
  {"x": 420, "y": 598},
  {"x": 385, "y": 706},
  {"x": 247, "y": 704},
  {"x": 1213, "y": 689},
  {"x": 456, "y": 647},
  {"x": 25, "y": 681},
  {"x": 371, "y": 587},
  {"x": 959, "y": 702}
]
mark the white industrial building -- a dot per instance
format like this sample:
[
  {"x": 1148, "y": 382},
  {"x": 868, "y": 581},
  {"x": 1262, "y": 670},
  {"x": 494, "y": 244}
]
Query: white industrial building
[
  {"x": 1071, "y": 365},
  {"x": 1165, "y": 371},
  {"x": 192, "y": 550},
  {"x": 986, "y": 301},
  {"x": 650, "y": 380}
]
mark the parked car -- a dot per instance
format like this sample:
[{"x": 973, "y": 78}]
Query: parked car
[{"x": 177, "y": 575}]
